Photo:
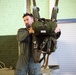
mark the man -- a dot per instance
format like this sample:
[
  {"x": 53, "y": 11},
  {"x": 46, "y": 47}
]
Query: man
[{"x": 26, "y": 62}]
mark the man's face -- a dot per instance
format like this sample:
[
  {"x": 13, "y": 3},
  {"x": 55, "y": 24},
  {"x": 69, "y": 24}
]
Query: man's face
[{"x": 28, "y": 21}]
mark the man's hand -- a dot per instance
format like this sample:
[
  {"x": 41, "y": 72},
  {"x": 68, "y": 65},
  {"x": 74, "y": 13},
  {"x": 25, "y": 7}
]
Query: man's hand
[
  {"x": 31, "y": 30},
  {"x": 57, "y": 29}
]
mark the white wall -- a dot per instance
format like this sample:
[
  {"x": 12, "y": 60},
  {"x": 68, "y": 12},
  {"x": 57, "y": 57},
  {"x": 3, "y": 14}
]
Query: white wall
[
  {"x": 65, "y": 55},
  {"x": 11, "y": 12}
]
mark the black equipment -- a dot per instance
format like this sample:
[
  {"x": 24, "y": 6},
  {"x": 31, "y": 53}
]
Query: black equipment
[{"x": 44, "y": 38}]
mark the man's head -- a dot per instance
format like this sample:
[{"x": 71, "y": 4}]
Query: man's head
[{"x": 28, "y": 19}]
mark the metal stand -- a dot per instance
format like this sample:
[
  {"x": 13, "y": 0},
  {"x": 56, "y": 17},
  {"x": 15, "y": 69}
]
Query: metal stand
[{"x": 48, "y": 70}]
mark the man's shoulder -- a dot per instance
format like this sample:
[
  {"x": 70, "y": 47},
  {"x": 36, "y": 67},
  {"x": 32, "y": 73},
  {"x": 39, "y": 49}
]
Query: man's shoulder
[{"x": 22, "y": 29}]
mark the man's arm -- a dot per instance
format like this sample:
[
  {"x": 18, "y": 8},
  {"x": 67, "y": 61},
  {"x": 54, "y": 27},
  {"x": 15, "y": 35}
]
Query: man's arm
[
  {"x": 22, "y": 34},
  {"x": 31, "y": 31}
]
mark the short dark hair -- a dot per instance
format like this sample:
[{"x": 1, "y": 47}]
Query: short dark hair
[{"x": 27, "y": 14}]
